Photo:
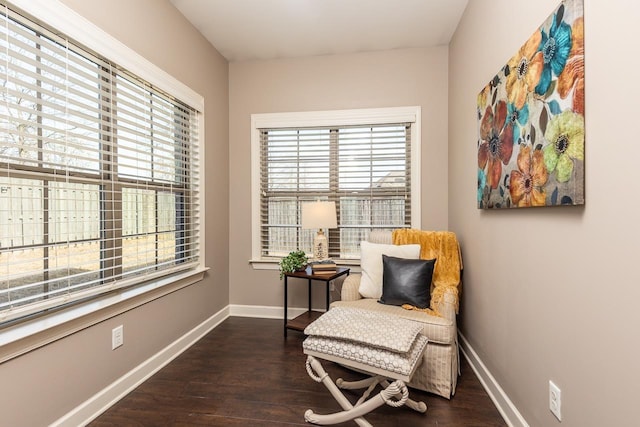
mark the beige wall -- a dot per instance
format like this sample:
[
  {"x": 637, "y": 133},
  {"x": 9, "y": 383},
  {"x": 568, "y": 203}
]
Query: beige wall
[
  {"x": 58, "y": 377},
  {"x": 552, "y": 293},
  {"x": 382, "y": 79}
]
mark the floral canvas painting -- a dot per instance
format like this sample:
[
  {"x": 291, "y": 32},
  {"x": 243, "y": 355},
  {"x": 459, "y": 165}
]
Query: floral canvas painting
[{"x": 531, "y": 119}]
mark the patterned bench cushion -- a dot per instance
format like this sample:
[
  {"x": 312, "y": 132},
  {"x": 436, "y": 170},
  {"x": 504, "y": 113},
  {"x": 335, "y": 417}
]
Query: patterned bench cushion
[
  {"x": 372, "y": 342},
  {"x": 373, "y": 329},
  {"x": 438, "y": 329},
  {"x": 366, "y": 358}
]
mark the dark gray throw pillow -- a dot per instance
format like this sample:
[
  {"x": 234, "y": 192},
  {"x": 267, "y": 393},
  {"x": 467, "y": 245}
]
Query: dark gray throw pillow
[{"x": 406, "y": 281}]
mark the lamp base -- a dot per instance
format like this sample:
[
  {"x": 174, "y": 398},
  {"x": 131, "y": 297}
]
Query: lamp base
[{"x": 320, "y": 246}]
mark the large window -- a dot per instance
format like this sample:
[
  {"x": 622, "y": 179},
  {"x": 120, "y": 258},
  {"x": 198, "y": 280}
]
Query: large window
[
  {"x": 363, "y": 163},
  {"x": 98, "y": 173}
]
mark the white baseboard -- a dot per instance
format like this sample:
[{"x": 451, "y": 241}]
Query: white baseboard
[
  {"x": 264, "y": 312},
  {"x": 500, "y": 399},
  {"x": 103, "y": 400}
]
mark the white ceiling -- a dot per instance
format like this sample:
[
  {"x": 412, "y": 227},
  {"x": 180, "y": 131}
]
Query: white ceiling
[{"x": 266, "y": 29}]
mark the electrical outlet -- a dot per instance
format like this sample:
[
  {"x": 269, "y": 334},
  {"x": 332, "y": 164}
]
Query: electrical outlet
[
  {"x": 555, "y": 400},
  {"x": 117, "y": 337}
]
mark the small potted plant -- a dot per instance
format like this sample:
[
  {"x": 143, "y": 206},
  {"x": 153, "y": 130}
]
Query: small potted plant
[{"x": 296, "y": 260}]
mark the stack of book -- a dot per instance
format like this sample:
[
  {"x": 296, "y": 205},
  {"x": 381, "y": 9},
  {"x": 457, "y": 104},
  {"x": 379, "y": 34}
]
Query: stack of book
[{"x": 323, "y": 267}]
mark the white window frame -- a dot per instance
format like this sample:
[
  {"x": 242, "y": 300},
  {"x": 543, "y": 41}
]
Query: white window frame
[
  {"x": 57, "y": 15},
  {"x": 365, "y": 116}
]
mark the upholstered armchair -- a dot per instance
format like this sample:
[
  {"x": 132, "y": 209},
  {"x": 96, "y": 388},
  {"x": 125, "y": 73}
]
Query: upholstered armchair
[{"x": 439, "y": 370}]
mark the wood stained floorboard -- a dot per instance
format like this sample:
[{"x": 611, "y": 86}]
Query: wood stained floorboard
[{"x": 245, "y": 373}]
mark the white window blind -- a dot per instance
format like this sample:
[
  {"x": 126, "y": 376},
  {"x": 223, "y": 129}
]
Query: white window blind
[
  {"x": 99, "y": 181},
  {"x": 364, "y": 169}
]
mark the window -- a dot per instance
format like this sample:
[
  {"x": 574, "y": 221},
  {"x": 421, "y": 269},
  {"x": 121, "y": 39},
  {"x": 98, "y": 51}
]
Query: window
[
  {"x": 363, "y": 160},
  {"x": 99, "y": 180}
]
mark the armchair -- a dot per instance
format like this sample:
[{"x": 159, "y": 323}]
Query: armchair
[{"x": 439, "y": 370}]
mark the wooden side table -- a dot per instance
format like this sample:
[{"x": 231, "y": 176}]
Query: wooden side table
[{"x": 301, "y": 322}]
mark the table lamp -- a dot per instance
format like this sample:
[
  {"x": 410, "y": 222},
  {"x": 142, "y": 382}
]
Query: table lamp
[{"x": 319, "y": 215}]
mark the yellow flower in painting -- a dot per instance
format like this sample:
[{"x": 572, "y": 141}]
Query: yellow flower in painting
[
  {"x": 525, "y": 69},
  {"x": 483, "y": 96},
  {"x": 526, "y": 185},
  {"x": 573, "y": 73},
  {"x": 565, "y": 134}
]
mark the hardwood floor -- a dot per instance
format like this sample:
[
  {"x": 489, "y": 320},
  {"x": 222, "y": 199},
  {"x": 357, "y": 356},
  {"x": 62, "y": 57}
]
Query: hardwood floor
[{"x": 245, "y": 373}]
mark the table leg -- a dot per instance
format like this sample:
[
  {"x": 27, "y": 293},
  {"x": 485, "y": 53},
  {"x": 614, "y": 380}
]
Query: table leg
[
  {"x": 309, "y": 285},
  {"x": 285, "y": 305},
  {"x": 328, "y": 286}
]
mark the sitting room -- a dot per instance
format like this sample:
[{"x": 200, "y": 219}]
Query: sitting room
[{"x": 158, "y": 159}]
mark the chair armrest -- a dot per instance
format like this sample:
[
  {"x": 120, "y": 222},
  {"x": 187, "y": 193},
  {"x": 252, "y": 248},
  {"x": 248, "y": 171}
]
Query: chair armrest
[
  {"x": 350, "y": 288},
  {"x": 448, "y": 304}
]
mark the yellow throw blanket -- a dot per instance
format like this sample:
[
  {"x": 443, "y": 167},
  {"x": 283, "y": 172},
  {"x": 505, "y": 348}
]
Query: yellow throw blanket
[{"x": 444, "y": 247}]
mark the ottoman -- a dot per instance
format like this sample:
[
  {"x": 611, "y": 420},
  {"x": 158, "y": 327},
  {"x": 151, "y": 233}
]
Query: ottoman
[{"x": 385, "y": 347}]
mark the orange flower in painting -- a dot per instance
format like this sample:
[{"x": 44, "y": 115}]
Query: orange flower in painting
[
  {"x": 496, "y": 146},
  {"x": 525, "y": 69},
  {"x": 572, "y": 77},
  {"x": 526, "y": 185}
]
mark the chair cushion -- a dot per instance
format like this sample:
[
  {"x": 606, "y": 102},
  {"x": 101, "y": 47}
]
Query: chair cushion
[
  {"x": 438, "y": 329},
  {"x": 371, "y": 264},
  {"x": 406, "y": 281}
]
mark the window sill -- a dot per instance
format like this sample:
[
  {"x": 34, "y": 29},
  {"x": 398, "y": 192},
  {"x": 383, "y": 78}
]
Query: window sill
[
  {"x": 273, "y": 264},
  {"x": 22, "y": 337}
]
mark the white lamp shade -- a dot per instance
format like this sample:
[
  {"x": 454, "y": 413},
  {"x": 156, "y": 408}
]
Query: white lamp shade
[{"x": 319, "y": 215}]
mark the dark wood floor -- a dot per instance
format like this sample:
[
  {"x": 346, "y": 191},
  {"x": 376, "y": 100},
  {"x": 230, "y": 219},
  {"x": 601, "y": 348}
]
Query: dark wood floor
[{"x": 244, "y": 373}]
